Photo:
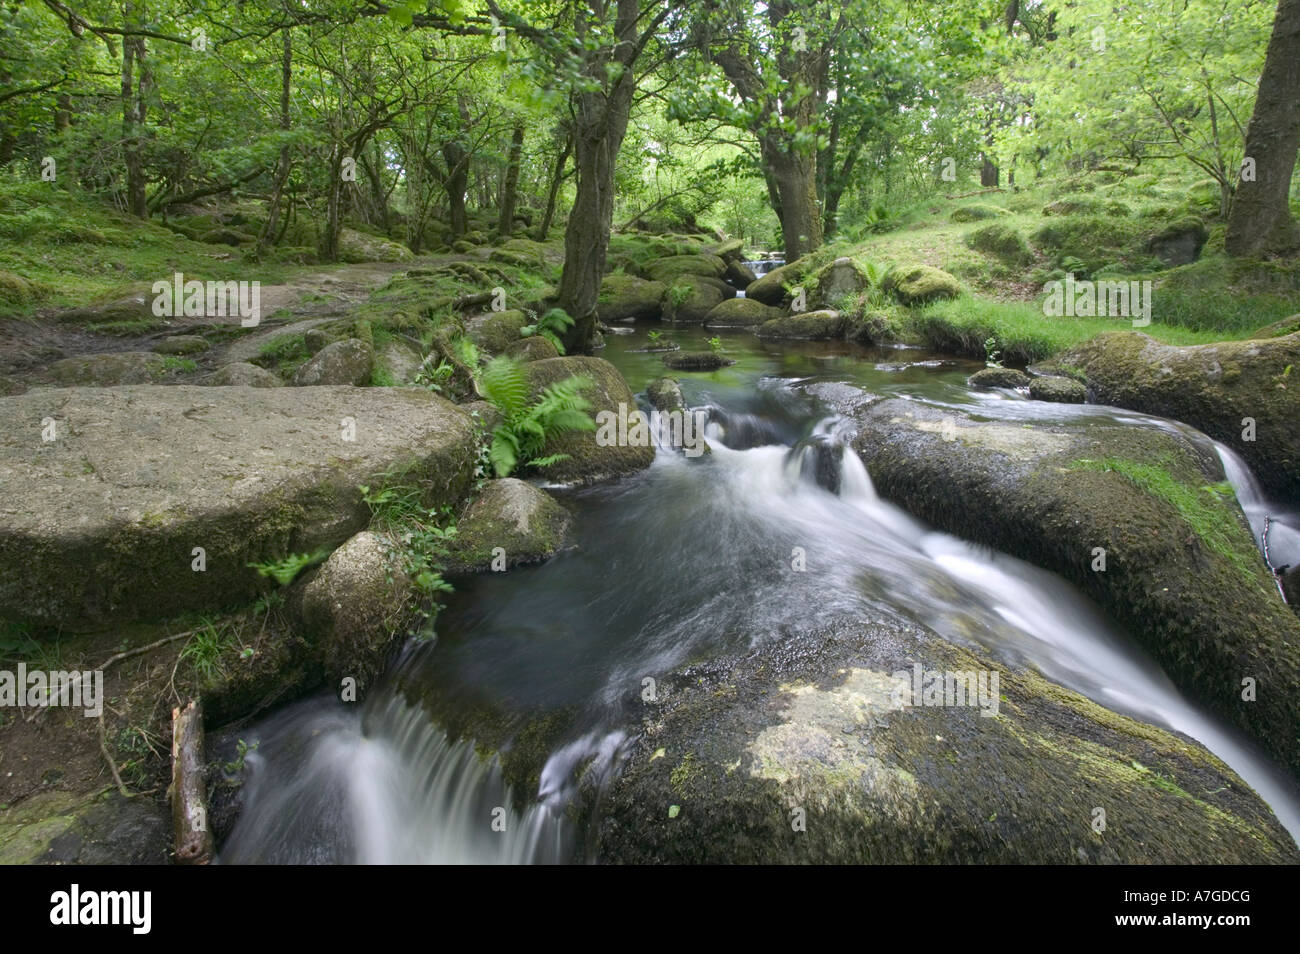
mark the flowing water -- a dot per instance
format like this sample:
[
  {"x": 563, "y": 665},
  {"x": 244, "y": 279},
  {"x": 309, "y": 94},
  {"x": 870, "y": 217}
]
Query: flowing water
[{"x": 687, "y": 560}]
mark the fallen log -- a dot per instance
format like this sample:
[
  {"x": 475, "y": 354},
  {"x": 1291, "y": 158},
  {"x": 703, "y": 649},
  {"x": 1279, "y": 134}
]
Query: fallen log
[{"x": 188, "y": 791}]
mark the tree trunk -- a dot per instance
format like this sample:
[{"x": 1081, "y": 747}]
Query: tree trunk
[
  {"x": 1260, "y": 218},
  {"x": 456, "y": 184},
  {"x": 557, "y": 179},
  {"x": 135, "y": 86},
  {"x": 795, "y": 178},
  {"x": 600, "y": 123},
  {"x": 988, "y": 172},
  {"x": 510, "y": 188},
  {"x": 282, "y": 167},
  {"x": 329, "y": 241}
]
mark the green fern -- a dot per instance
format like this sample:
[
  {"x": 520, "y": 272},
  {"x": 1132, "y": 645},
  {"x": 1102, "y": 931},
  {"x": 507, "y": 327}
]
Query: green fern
[
  {"x": 526, "y": 428},
  {"x": 551, "y": 326}
]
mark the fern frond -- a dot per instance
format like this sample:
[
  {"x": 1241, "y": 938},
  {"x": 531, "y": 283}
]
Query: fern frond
[{"x": 505, "y": 385}]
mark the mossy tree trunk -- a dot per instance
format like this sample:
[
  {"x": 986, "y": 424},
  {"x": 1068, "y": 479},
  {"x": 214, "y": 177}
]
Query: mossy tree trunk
[
  {"x": 1260, "y": 218},
  {"x": 510, "y": 187}
]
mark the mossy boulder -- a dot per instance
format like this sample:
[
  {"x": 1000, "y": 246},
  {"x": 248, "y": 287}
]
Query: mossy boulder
[
  {"x": 1179, "y": 243},
  {"x": 1000, "y": 241},
  {"x": 998, "y": 378},
  {"x": 354, "y": 606},
  {"x": 813, "y": 325},
  {"x": 1214, "y": 387},
  {"x": 697, "y": 360},
  {"x": 665, "y": 394},
  {"x": 344, "y": 362},
  {"x": 770, "y": 288},
  {"x": 355, "y": 247},
  {"x": 918, "y": 284},
  {"x": 523, "y": 521},
  {"x": 495, "y": 331},
  {"x": 589, "y": 460},
  {"x": 625, "y": 297},
  {"x": 869, "y": 327},
  {"x": 740, "y": 313},
  {"x": 137, "y": 307},
  {"x": 739, "y": 275},
  {"x": 1073, "y": 205},
  {"x": 1182, "y": 573},
  {"x": 668, "y": 269},
  {"x": 247, "y": 474},
  {"x": 182, "y": 344},
  {"x": 976, "y": 212},
  {"x": 61, "y": 828},
  {"x": 17, "y": 290},
  {"x": 804, "y": 751},
  {"x": 690, "y": 299},
  {"x": 397, "y": 360},
  {"x": 241, "y": 373},
  {"x": 842, "y": 278},
  {"x": 1059, "y": 389},
  {"x": 532, "y": 348},
  {"x": 107, "y": 370},
  {"x": 227, "y": 236}
]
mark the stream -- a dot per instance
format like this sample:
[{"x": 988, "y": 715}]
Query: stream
[{"x": 685, "y": 561}]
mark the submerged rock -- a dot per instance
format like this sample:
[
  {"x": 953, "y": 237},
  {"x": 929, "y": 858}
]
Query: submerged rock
[
  {"x": 1243, "y": 393},
  {"x": 665, "y": 394},
  {"x": 809, "y": 754},
  {"x": 1136, "y": 517},
  {"x": 524, "y": 522},
  {"x": 697, "y": 360},
  {"x": 102, "y": 523},
  {"x": 998, "y": 378},
  {"x": 813, "y": 325},
  {"x": 1058, "y": 389},
  {"x": 740, "y": 313},
  {"x": 343, "y": 362},
  {"x": 588, "y": 460}
]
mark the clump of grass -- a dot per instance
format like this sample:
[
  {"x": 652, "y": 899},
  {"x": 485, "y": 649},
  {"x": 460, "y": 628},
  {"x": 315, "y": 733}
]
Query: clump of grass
[
  {"x": 420, "y": 536},
  {"x": 963, "y": 324},
  {"x": 203, "y": 650}
]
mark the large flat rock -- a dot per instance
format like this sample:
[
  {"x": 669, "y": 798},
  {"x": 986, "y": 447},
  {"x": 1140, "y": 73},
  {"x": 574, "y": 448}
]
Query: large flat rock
[
  {"x": 1181, "y": 570},
  {"x": 100, "y": 524}
]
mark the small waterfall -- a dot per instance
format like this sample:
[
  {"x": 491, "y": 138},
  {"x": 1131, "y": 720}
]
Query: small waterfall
[
  {"x": 825, "y": 459},
  {"x": 1283, "y": 522},
  {"x": 326, "y": 786}
]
